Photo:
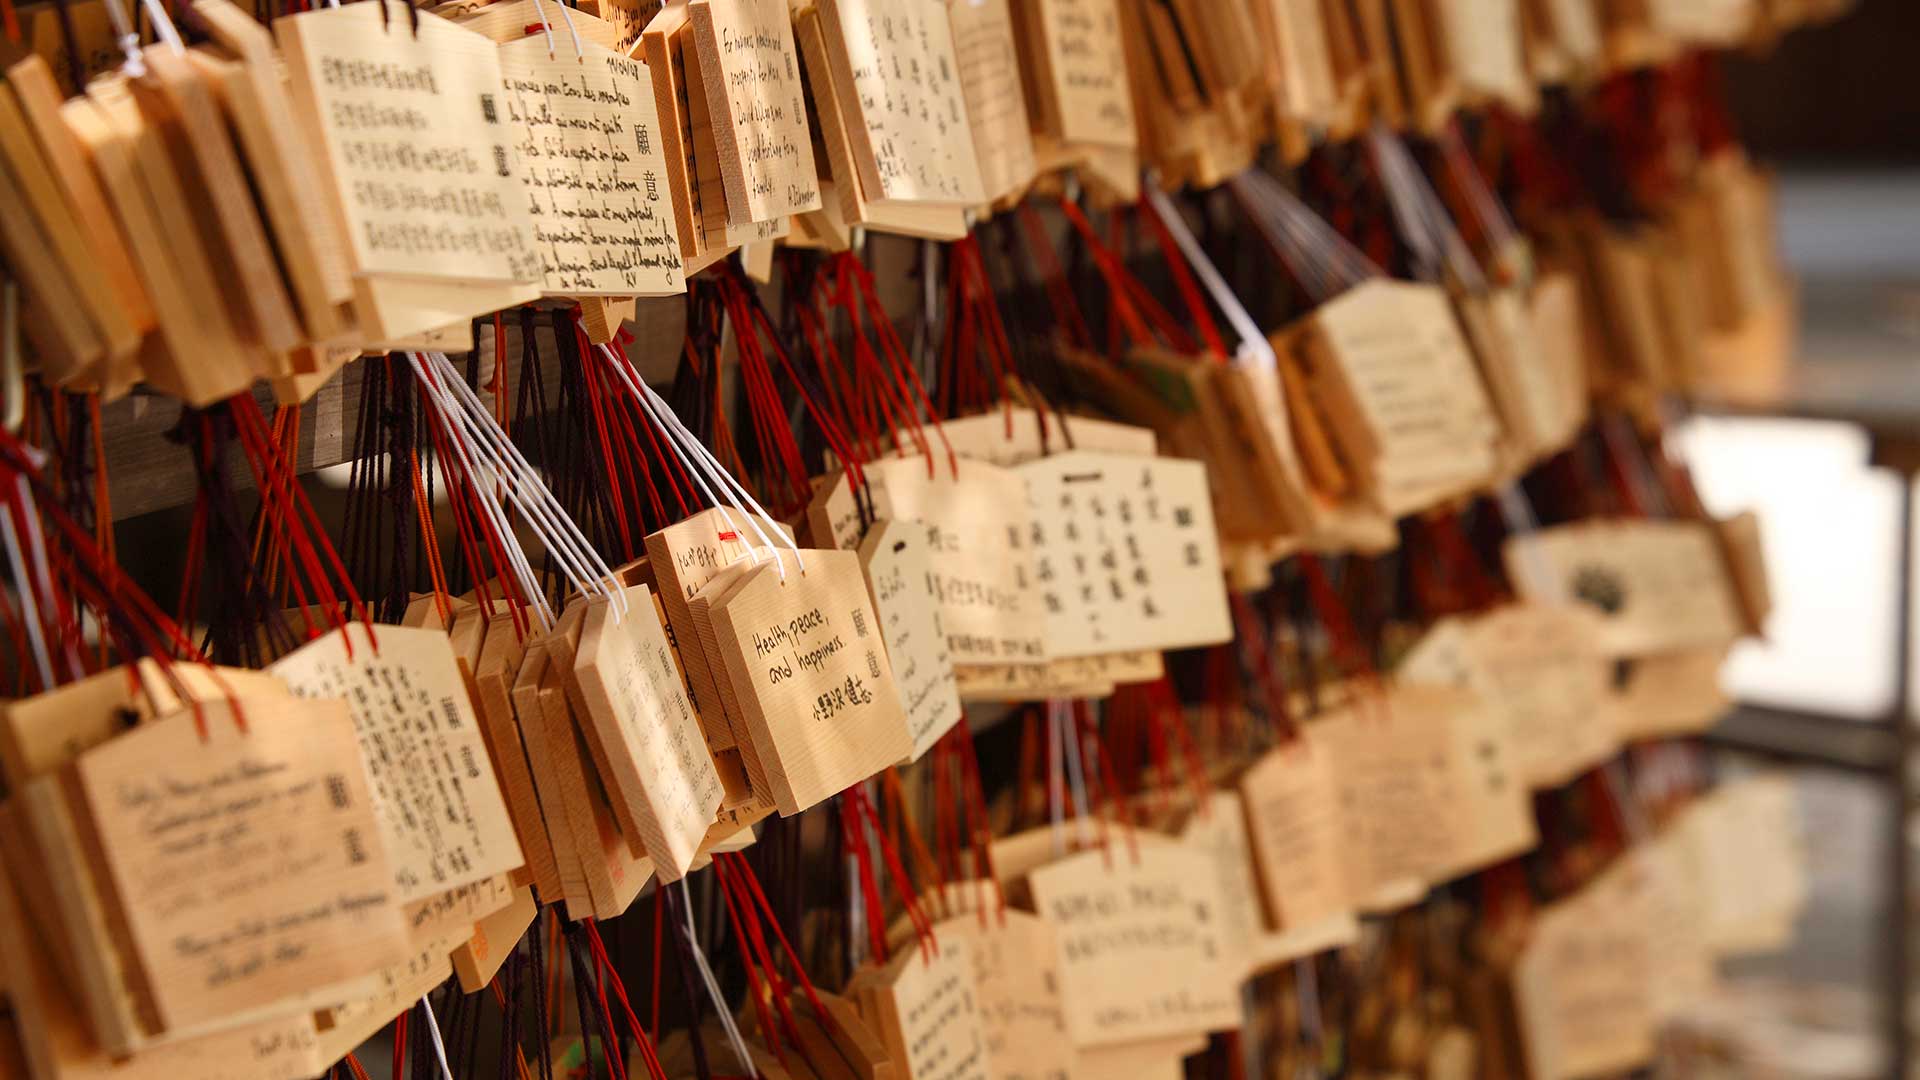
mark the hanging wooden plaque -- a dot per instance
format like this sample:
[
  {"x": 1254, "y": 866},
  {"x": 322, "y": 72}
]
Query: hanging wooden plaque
[
  {"x": 442, "y": 816},
  {"x": 1658, "y": 586},
  {"x": 1293, "y": 827},
  {"x": 1075, "y": 66},
  {"x": 924, "y": 1006},
  {"x": 1139, "y": 943},
  {"x": 55, "y": 1040},
  {"x": 894, "y": 68},
  {"x": 1580, "y": 992},
  {"x": 684, "y": 557},
  {"x": 645, "y": 738},
  {"x": 494, "y": 938},
  {"x": 989, "y": 66},
  {"x": 1125, "y": 556},
  {"x": 501, "y": 655},
  {"x": 750, "y": 79},
  {"x": 613, "y": 868},
  {"x": 977, "y": 524},
  {"x": 899, "y": 570},
  {"x": 1016, "y": 983},
  {"x": 1388, "y": 364},
  {"x": 805, "y": 657},
  {"x": 1543, "y": 669},
  {"x": 543, "y": 765},
  {"x": 214, "y": 843},
  {"x": 370, "y": 92},
  {"x": 593, "y": 164}
]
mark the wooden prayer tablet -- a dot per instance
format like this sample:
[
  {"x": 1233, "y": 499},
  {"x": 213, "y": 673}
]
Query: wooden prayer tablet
[
  {"x": 1138, "y": 943},
  {"x": 1125, "y": 556},
  {"x": 1484, "y": 792},
  {"x": 1388, "y": 770},
  {"x": 213, "y": 844},
  {"x": 494, "y": 938},
  {"x": 1219, "y": 828},
  {"x": 1016, "y": 986},
  {"x": 977, "y": 520},
  {"x": 750, "y": 76},
  {"x": 45, "y": 204},
  {"x": 850, "y": 199},
  {"x": 923, "y": 1005},
  {"x": 612, "y": 863},
  {"x": 1658, "y": 586},
  {"x": 989, "y": 64},
  {"x": 72, "y": 346},
  {"x": 281, "y": 159},
  {"x": 500, "y": 660},
  {"x": 685, "y": 556},
  {"x": 593, "y": 164},
  {"x": 447, "y": 206},
  {"x": 40, "y": 98},
  {"x": 454, "y": 912},
  {"x": 176, "y": 96},
  {"x": 811, "y": 673},
  {"x": 897, "y": 81},
  {"x": 1543, "y": 668},
  {"x": 1252, "y": 399},
  {"x": 899, "y": 571},
  {"x": 1482, "y": 49},
  {"x": 1075, "y": 66},
  {"x": 198, "y": 354},
  {"x": 1387, "y": 364},
  {"x": 659, "y": 46},
  {"x": 56, "y": 1042},
  {"x": 1294, "y": 830},
  {"x": 542, "y": 761},
  {"x": 441, "y": 812},
  {"x": 1580, "y": 990},
  {"x": 645, "y": 738}
]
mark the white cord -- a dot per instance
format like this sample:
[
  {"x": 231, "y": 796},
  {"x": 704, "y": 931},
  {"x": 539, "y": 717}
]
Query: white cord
[
  {"x": 701, "y": 458},
  {"x": 163, "y": 26},
  {"x": 1076, "y": 776},
  {"x": 37, "y": 555},
  {"x": 439, "y": 1048},
  {"x": 594, "y": 574},
  {"x": 649, "y": 401},
  {"x": 1254, "y": 346},
  {"x": 1056, "y": 778},
  {"x": 495, "y": 465},
  {"x": 31, "y": 607},
  {"x": 713, "y": 985},
  {"x": 1320, "y": 259}
]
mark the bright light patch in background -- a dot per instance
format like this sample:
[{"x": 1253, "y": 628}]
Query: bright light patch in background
[{"x": 1827, "y": 526}]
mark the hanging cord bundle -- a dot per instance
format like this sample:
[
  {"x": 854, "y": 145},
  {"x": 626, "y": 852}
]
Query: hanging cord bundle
[
  {"x": 615, "y": 483},
  {"x": 76, "y": 462},
  {"x": 1436, "y": 250},
  {"x": 976, "y": 356},
  {"x": 289, "y": 560},
  {"x": 1321, "y": 261},
  {"x": 720, "y": 488},
  {"x": 879, "y": 391},
  {"x": 751, "y": 916},
  {"x": 477, "y": 454},
  {"x": 1135, "y": 319},
  {"x": 391, "y": 551},
  {"x": 783, "y": 475},
  {"x": 1482, "y": 218},
  {"x": 862, "y": 831},
  {"x": 46, "y": 629},
  {"x": 960, "y": 807}
]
